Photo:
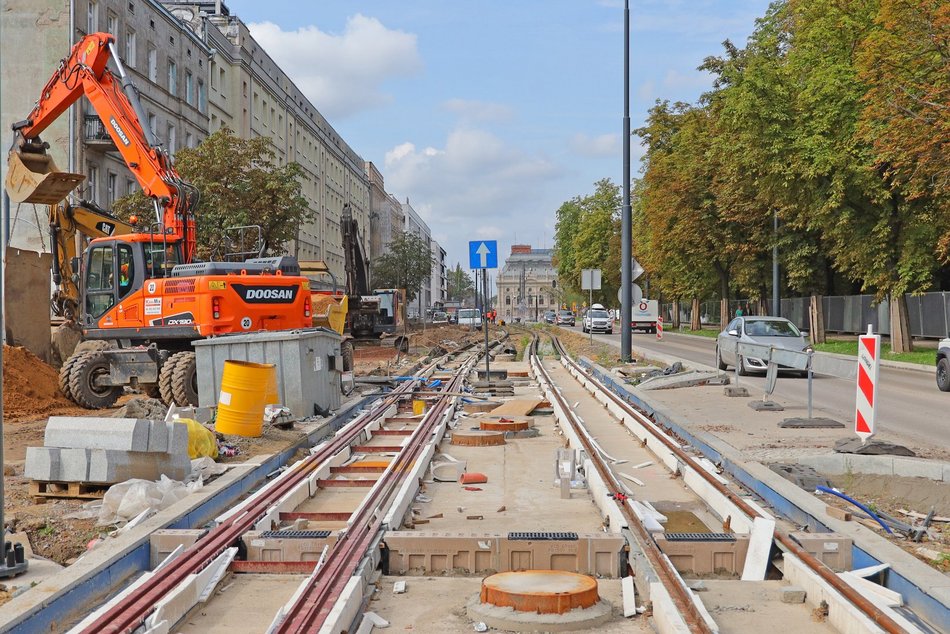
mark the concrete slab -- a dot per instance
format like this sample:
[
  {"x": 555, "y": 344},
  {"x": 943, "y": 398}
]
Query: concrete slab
[
  {"x": 766, "y": 406},
  {"x": 810, "y": 423},
  {"x": 157, "y": 436},
  {"x": 739, "y": 608},
  {"x": 74, "y": 464},
  {"x": 89, "y": 432},
  {"x": 177, "y": 438},
  {"x": 230, "y": 610},
  {"x": 110, "y": 466}
]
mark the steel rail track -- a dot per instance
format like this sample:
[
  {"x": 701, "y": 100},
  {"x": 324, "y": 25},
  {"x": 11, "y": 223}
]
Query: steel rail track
[
  {"x": 312, "y": 608},
  {"x": 130, "y": 613},
  {"x": 870, "y": 610},
  {"x": 668, "y": 575}
]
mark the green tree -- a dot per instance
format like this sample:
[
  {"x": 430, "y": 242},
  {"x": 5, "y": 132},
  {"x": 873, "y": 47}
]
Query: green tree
[
  {"x": 460, "y": 285},
  {"x": 241, "y": 183},
  {"x": 407, "y": 265}
]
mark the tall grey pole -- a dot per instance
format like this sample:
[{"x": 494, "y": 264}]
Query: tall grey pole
[
  {"x": 626, "y": 227},
  {"x": 485, "y": 317},
  {"x": 776, "y": 301}
]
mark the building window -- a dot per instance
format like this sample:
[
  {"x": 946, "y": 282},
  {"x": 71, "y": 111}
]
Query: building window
[
  {"x": 152, "y": 63},
  {"x": 221, "y": 79},
  {"x": 212, "y": 75},
  {"x": 130, "y": 48},
  {"x": 189, "y": 88},
  {"x": 172, "y": 78},
  {"x": 129, "y": 186},
  {"x": 152, "y": 123},
  {"x": 93, "y": 172},
  {"x": 111, "y": 193},
  {"x": 131, "y": 7},
  {"x": 202, "y": 97},
  {"x": 92, "y": 17},
  {"x": 172, "y": 139},
  {"x": 189, "y": 139},
  {"x": 113, "y": 24}
]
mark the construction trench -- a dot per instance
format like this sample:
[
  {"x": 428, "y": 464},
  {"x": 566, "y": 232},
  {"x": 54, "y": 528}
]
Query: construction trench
[{"x": 533, "y": 499}]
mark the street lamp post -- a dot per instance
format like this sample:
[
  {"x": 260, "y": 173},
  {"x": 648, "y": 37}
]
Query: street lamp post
[{"x": 626, "y": 224}]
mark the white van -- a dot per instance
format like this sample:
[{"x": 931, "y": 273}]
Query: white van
[{"x": 471, "y": 317}]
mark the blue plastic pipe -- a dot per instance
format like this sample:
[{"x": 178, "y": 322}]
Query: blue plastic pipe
[{"x": 870, "y": 513}]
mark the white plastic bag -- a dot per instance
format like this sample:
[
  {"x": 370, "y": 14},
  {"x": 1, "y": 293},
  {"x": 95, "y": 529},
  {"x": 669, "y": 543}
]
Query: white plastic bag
[{"x": 126, "y": 500}]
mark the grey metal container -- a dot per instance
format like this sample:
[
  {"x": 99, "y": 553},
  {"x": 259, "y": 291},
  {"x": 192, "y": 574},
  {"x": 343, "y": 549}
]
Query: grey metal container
[{"x": 308, "y": 363}]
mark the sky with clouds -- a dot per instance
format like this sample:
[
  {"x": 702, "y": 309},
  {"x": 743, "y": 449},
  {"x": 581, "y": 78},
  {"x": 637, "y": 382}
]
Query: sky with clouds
[{"x": 489, "y": 114}]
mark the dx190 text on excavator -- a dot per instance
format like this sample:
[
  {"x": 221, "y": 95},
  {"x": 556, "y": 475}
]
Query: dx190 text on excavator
[{"x": 142, "y": 292}]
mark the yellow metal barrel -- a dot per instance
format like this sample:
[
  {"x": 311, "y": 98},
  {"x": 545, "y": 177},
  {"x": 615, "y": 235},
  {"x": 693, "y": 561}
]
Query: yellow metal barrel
[{"x": 245, "y": 387}]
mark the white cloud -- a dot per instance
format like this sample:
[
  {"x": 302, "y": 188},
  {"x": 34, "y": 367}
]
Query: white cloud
[
  {"x": 479, "y": 111},
  {"x": 598, "y": 146},
  {"x": 342, "y": 73},
  {"x": 477, "y": 186}
]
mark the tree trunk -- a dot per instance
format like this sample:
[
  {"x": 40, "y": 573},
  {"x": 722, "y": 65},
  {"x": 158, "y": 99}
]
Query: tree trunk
[
  {"x": 901, "y": 340},
  {"x": 724, "y": 317},
  {"x": 695, "y": 322},
  {"x": 676, "y": 314},
  {"x": 816, "y": 320}
]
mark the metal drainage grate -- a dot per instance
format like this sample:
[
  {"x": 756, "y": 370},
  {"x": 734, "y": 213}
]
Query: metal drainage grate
[
  {"x": 561, "y": 537},
  {"x": 700, "y": 537},
  {"x": 296, "y": 534}
]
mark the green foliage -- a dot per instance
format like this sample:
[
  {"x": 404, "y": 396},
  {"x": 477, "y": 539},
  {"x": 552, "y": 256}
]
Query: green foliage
[
  {"x": 587, "y": 236},
  {"x": 241, "y": 183},
  {"x": 460, "y": 284},
  {"x": 407, "y": 265}
]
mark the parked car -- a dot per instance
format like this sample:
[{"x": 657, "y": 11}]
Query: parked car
[
  {"x": 765, "y": 331},
  {"x": 471, "y": 317},
  {"x": 597, "y": 319},
  {"x": 439, "y": 317},
  {"x": 453, "y": 318},
  {"x": 943, "y": 365},
  {"x": 550, "y": 316},
  {"x": 564, "y": 318}
]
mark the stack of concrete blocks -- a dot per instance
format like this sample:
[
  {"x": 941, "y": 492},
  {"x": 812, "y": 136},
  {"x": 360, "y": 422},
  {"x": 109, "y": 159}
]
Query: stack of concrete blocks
[{"x": 109, "y": 450}]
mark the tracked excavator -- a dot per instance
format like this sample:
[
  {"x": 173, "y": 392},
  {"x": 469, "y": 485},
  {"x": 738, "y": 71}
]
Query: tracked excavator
[
  {"x": 142, "y": 291},
  {"x": 353, "y": 312}
]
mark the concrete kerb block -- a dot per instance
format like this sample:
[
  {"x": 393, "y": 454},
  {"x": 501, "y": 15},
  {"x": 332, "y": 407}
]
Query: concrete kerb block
[
  {"x": 792, "y": 594},
  {"x": 42, "y": 463},
  {"x": 157, "y": 436},
  {"x": 177, "y": 438},
  {"x": 919, "y": 468},
  {"x": 110, "y": 466},
  {"x": 126, "y": 434},
  {"x": 74, "y": 464}
]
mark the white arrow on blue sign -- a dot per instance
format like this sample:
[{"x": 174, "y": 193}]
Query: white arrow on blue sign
[{"x": 483, "y": 254}]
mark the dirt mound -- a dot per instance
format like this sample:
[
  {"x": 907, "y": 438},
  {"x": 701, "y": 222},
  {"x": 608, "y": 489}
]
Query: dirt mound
[{"x": 30, "y": 386}]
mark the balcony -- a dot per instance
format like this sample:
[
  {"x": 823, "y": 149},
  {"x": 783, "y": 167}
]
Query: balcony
[{"x": 95, "y": 133}]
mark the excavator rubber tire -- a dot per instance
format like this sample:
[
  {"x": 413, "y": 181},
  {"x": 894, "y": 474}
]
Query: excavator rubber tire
[
  {"x": 64, "y": 374},
  {"x": 165, "y": 376},
  {"x": 346, "y": 351},
  {"x": 185, "y": 380},
  {"x": 81, "y": 377}
]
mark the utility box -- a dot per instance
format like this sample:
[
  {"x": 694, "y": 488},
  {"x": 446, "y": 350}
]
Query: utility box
[
  {"x": 833, "y": 549},
  {"x": 309, "y": 366}
]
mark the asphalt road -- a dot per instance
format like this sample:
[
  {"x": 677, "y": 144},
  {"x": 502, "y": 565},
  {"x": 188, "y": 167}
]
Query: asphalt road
[{"x": 910, "y": 403}]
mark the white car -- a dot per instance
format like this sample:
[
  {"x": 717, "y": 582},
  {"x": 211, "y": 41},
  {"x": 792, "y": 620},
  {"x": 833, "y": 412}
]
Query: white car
[
  {"x": 765, "y": 331},
  {"x": 597, "y": 319},
  {"x": 943, "y": 365}
]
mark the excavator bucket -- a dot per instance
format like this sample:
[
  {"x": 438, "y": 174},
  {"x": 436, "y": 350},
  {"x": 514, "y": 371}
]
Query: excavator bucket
[
  {"x": 329, "y": 311},
  {"x": 34, "y": 178}
]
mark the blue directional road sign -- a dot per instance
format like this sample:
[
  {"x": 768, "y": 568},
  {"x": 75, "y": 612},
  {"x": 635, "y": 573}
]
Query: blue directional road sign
[{"x": 483, "y": 254}]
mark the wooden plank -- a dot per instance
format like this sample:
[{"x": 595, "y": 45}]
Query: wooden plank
[
  {"x": 518, "y": 406},
  {"x": 42, "y": 490},
  {"x": 837, "y": 513},
  {"x": 760, "y": 546}
]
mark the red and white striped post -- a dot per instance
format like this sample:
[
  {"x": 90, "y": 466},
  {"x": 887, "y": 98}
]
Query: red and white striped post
[
  {"x": 659, "y": 327},
  {"x": 869, "y": 368}
]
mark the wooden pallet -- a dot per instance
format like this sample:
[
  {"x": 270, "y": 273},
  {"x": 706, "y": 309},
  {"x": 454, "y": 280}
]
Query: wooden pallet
[{"x": 42, "y": 490}]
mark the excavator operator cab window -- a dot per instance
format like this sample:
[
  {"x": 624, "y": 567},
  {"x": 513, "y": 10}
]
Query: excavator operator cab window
[
  {"x": 100, "y": 281},
  {"x": 126, "y": 270},
  {"x": 161, "y": 258}
]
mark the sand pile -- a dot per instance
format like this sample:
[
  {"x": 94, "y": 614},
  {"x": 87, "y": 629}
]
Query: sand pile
[
  {"x": 30, "y": 387},
  {"x": 321, "y": 303}
]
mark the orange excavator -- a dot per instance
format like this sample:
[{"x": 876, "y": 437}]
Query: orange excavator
[{"x": 143, "y": 293}]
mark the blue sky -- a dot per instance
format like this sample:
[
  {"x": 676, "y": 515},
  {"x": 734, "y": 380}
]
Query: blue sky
[{"x": 489, "y": 114}]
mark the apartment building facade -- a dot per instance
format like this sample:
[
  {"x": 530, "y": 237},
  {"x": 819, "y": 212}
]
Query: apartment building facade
[
  {"x": 250, "y": 94},
  {"x": 438, "y": 292},
  {"x": 416, "y": 225},
  {"x": 386, "y": 219},
  {"x": 167, "y": 61},
  {"x": 527, "y": 284}
]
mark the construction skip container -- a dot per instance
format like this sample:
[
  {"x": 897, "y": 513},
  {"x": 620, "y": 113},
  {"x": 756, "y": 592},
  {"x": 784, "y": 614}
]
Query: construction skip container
[{"x": 309, "y": 365}]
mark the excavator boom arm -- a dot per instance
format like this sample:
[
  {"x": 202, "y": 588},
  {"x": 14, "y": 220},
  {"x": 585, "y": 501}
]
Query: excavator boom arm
[{"x": 85, "y": 72}]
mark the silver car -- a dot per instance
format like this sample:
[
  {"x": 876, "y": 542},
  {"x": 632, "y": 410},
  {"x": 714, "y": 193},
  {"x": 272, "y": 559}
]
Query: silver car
[{"x": 764, "y": 331}]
